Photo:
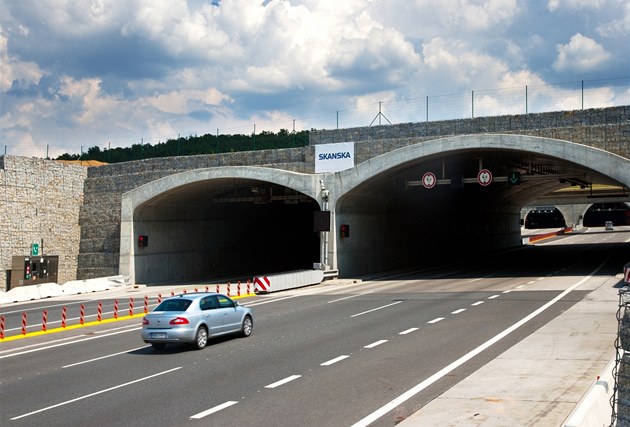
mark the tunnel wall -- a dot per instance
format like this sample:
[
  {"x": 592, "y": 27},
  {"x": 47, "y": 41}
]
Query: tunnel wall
[{"x": 414, "y": 238}]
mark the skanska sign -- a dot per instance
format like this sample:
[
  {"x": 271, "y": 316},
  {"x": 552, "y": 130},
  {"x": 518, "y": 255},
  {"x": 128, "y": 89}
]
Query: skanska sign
[{"x": 334, "y": 157}]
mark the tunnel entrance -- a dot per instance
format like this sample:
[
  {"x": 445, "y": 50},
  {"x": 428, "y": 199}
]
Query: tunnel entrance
[
  {"x": 224, "y": 228},
  {"x": 545, "y": 217},
  {"x": 599, "y": 213}
]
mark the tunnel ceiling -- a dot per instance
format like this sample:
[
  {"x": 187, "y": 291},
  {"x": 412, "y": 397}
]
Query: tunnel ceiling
[
  {"x": 208, "y": 194},
  {"x": 540, "y": 175}
]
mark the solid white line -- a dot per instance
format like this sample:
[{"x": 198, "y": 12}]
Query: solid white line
[
  {"x": 493, "y": 296},
  {"x": 67, "y": 343},
  {"x": 284, "y": 381},
  {"x": 507, "y": 292},
  {"x": 436, "y": 320},
  {"x": 375, "y": 309},
  {"x": 477, "y": 303},
  {"x": 375, "y": 344},
  {"x": 408, "y": 331},
  {"x": 335, "y": 360},
  {"x": 95, "y": 394},
  {"x": 104, "y": 357},
  {"x": 351, "y": 296},
  {"x": 39, "y": 309},
  {"x": 461, "y": 310},
  {"x": 213, "y": 410},
  {"x": 447, "y": 369}
]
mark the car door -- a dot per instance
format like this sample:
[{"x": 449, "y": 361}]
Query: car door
[
  {"x": 212, "y": 316},
  {"x": 231, "y": 315}
]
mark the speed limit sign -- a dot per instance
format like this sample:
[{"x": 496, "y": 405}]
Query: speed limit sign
[{"x": 429, "y": 180}]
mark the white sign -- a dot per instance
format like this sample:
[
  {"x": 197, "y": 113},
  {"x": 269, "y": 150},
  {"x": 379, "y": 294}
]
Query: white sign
[
  {"x": 429, "y": 180},
  {"x": 334, "y": 157},
  {"x": 484, "y": 177}
]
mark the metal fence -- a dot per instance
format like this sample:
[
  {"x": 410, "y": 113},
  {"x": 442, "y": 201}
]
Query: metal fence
[{"x": 580, "y": 95}]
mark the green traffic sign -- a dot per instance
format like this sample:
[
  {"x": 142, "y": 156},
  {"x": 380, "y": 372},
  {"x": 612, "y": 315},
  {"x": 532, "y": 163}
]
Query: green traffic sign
[
  {"x": 514, "y": 178},
  {"x": 35, "y": 249}
]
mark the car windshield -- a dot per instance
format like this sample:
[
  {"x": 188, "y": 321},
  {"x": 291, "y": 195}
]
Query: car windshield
[{"x": 174, "y": 304}]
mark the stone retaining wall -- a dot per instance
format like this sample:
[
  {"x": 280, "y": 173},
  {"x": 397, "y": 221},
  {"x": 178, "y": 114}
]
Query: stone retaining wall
[
  {"x": 40, "y": 204},
  {"x": 605, "y": 128}
]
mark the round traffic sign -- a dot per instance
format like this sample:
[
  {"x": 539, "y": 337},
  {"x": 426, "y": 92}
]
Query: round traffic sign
[
  {"x": 484, "y": 177},
  {"x": 429, "y": 180}
]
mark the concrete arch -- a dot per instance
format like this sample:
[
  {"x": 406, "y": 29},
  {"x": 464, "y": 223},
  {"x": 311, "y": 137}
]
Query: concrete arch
[
  {"x": 135, "y": 201},
  {"x": 611, "y": 165},
  {"x": 402, "y": 224}
]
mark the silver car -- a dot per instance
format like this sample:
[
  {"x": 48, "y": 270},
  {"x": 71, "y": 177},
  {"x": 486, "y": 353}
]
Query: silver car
[{"x": 193, "y": 318}]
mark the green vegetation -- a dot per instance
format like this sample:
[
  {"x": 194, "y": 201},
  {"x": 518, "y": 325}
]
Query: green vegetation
[{"x": 206, "y": 144}]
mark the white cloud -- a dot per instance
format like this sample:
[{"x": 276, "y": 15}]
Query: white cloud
[
  {"x": 157, "y": 68},
  {"x": 554, "y": 5},
  {"x": 11, "y": 70},
  {"x": 461, "y": 63},
  {"x": 580, "y": 54}
]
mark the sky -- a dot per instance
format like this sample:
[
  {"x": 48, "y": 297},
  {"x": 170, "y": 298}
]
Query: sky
[{"x": 76, "y": 74}]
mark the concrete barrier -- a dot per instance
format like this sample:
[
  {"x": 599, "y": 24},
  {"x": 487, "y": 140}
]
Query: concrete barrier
[
  {"x": 73, "y": 287},
  {"x": 594, "y": 409},
  {"x": 48, "y": 290},
  {"x": 290, "y": 280},
  {"x": 533, "y": 239},
  {"x": 21, "y": 294}
]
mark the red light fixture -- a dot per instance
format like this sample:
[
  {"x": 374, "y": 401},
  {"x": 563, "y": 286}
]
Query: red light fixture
[{"x": 179, "y": 321}]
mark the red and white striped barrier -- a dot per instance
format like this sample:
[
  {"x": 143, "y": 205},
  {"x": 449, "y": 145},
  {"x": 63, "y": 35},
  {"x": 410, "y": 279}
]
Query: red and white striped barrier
[
  {"x": 291, "y": 280},
  {"x": 249, "y": 287},
  {"x": 44, "y": 320},
  {"x": 159, "y": 298},
  {"x": 24, "y": 316},
  {"x": 238, "y": 289},
  {"x": 131, "y": 306},
  {"x": 82, "y": 315},
  {"x": 115, "y": 309},
  {"x": 99, "y": 312},
  {"x": 63, "y": 316},
  {"x": 218, "y": 289},
  {"x": 1, "y": 327},
  {"x": 228, "y": 288},
  {"x": 262, "y": 284},
  {"x": 146, "y": 304}
]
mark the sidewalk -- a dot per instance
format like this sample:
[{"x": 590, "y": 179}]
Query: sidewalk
[{"x": 544, "y": 379}]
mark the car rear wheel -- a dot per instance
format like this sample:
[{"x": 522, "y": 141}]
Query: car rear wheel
[
  {"x": 201, "y": 338},
  {"x": 248, "y": 325},
  {"x": 158, "y": 345}
]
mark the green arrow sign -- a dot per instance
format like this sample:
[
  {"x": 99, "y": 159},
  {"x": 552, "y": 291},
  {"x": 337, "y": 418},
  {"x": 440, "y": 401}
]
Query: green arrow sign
[{"x": 514, "y": 178}]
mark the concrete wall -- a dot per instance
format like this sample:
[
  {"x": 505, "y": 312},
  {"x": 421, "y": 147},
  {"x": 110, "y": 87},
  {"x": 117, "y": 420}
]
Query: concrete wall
[{"x": 40, "y": 201}]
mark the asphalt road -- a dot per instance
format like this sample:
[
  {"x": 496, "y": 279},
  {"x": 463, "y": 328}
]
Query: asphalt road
[{"x": 329, "y": 355}]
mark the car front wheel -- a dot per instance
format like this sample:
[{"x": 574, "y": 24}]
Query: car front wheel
[
  {"x": 201, "y": 339},
  {"x": 248, "y": 325}
]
